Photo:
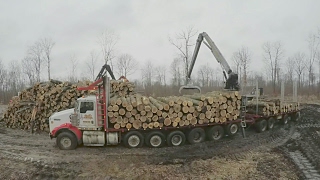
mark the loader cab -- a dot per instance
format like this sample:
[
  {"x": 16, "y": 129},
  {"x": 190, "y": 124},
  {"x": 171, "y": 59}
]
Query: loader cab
[{"x": 85, "y": 108}]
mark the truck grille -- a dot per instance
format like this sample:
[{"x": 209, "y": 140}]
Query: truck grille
[{"x": 74, "y": 120}]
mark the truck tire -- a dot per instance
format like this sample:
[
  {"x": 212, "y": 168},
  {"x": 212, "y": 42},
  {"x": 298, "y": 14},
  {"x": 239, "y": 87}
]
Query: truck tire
[
  {"x": 176, "y": 138},
  {"x": 285, "y": 119},
  {"x": 155, "y": 139},
  {"x": 261, "y": 125},
  {"x": 271, "y": 122},
  {"x": 196, "y": 135},
  {"x": 133, "y": 139},
  {"x": 232, "y": 129},
  {"x": 67, "y": 141},
  {"x": 215, "y": 133}
]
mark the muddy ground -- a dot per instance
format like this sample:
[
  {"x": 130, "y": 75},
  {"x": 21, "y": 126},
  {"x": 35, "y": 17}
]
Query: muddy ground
[{"x": 286, "y": 152}]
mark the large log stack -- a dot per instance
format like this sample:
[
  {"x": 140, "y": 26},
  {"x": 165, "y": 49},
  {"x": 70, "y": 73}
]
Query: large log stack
[
  {"x": 47, "y": 97},
  {"x": 43, "y": 99},
  {"x": 141, "y": 112},
  {"x": 269, "y": 107}
]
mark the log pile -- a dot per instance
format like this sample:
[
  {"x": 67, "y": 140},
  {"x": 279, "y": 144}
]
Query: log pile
[
  {"x": 269, "y": 107},
  {"x": 43, "y": 99},
  {"x": 141, "y": 112},
  {"x": 121, "y": 88},
  {"x": 46, "y": 98}
]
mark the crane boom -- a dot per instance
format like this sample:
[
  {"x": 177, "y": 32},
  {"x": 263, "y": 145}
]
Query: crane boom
[
  {"x": 232, "y": 79},
  {"x": 214, "y": 49}
]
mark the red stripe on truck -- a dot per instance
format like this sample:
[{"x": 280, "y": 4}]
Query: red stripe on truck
[{"x": 68, "y": 126}]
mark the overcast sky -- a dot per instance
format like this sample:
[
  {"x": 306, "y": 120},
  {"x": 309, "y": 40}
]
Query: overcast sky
[{"x": 144, "y": 26}]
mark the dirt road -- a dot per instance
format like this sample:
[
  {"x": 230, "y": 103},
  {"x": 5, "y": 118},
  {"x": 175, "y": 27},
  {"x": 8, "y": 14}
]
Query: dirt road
[{"x": 258, "y": 156}]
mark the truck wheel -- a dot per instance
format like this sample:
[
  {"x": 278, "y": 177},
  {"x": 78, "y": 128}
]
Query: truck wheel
[
  {"x": 261, "y": 125},
  {"x": 196, "y": 135},
  {"x": 155, "y": 139},
  {"x": 133, "y": 139},
  {"x": 232, "y": 129},
  {"x": 176, "y": 138},
  {"x": 67, "y": 141},
  {"x": 215, "y": 133},
  {"x": 271, "y": 122},
  {"x": 285, "y": 119}
]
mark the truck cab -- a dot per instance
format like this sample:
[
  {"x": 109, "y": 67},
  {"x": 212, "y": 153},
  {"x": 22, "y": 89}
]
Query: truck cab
[{"x": 87, "y": 122}]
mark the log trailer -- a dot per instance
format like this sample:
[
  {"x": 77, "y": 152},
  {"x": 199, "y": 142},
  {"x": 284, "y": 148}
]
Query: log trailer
[{"x": 88, "y": 123}]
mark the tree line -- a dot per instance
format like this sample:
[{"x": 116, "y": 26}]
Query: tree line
[{"x": 162, "y": 80}]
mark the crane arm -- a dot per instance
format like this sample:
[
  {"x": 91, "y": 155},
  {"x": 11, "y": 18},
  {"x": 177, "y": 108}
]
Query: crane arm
[
  {"x": 105, "y": 68},
  {"x": 232, "y": 79},
  {"x": 215, "y": 51}
]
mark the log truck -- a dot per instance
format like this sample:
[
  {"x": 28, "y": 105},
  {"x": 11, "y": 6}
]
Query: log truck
[{"x": 88, "y": 124}]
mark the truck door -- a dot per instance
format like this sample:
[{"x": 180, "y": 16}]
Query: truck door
[{"x": 87, "y": 114}]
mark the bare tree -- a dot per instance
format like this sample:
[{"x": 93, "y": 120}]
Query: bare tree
[
  {"x": 47, "y": 45},
  {"x": 290, "y": 63},
  {"x": 3, "y": 75},
  {"x": 73, "y": 71},
  {"x": 126, "y": 65},
  {"x": 176, "y": 72},
  {"x": 28, "y": 69},
  {"x": 183, "y": 44},
  {"x": 107, "y": 41},
  {"x": 91, "y": 64},
  {"x": 15, "y": 79},
  {"x": 160, "y": 73},
  {"x": 242, "y": 58},
  {"x": 205, "y": 75},
  {"x": 237, "y": 62},
  {"x": 273, "y": 52},
  {"x": 147, "y": 73},
  {"x": 35, "y": 54},
  {"x": 300, "y": 65},
  {"x": 313, "y": 44}
]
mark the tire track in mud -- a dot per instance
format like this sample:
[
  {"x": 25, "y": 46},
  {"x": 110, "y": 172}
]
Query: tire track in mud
[
  {"x": 303, "y": 148},
  {"x": 230, "y": 148}
]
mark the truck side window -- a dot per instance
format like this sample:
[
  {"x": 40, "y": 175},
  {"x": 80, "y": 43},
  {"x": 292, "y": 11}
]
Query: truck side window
[{"x": 86, "y": 106}]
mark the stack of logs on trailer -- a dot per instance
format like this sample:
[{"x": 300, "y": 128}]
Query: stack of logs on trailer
[
  {"x": 141, "y": 112},
  {"x": 138, "y": 111}
]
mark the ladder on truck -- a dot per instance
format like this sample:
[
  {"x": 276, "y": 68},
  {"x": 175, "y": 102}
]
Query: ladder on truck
[
  {"x": 243, "y": 112},
  {"x": 101, "y": 105}
]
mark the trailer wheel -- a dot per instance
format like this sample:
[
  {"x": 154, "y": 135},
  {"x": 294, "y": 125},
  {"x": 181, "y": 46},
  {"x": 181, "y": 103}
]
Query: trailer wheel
[
  {"x": 262, "y": 125},
  {"x": 196, "y": 135},
  {"x": 176, "y": 138},
  {"x": 155, "y": 139},
  {"x": 285, "y": 119},
  {"x": 67, "y": 141},
  {"x": 271, "y": 122},
  {"x": 232, "y": 129},
  {"x": 215, "y": 133},
  {"x": 133, "y": 139}
]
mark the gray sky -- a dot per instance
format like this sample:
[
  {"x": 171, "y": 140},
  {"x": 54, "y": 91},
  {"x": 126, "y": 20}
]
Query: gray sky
[{"x": 144, "y": 26}]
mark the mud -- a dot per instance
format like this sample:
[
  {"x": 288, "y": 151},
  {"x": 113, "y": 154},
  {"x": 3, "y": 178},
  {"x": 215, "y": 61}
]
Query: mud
[{"x": 268, "y": 155}]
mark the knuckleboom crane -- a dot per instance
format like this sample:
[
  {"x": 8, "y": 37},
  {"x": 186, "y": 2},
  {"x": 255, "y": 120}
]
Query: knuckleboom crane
[{"x": 231, "y": 80}]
